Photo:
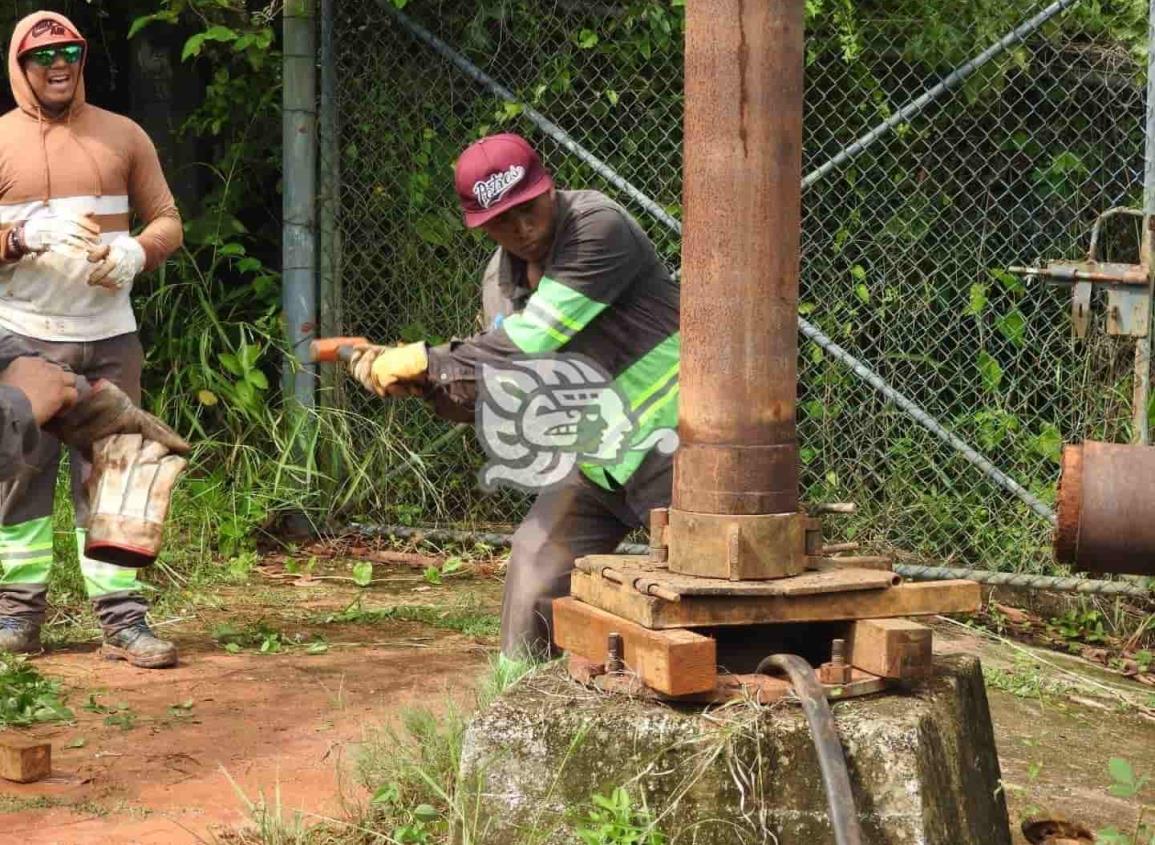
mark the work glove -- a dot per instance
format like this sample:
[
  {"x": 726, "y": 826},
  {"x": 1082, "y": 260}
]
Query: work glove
[
  {"x": 69, "y": 234},
  {"x": 116, "y": 264},
  {"x": 104, "y": 410},
  {"x": 130, "y": 490},
  {"x": 392, "y": 371}
]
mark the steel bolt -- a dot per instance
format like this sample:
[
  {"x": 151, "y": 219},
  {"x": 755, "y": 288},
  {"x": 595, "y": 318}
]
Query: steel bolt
[
  {"x": 614, "y": 662},
  {"x": 837, "y": 671}
]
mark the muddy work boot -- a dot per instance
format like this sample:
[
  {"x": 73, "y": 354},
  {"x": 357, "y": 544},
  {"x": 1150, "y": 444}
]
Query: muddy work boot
[
  {"x": 137, "y": 644},
  {"x": 20, "y": 635}
]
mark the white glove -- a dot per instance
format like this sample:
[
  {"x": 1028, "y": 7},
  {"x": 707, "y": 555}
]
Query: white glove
[
  {"x": 130, "y": 488},
  {"x": 118, "y": 264},
  {"x": 65, "y": 233}
]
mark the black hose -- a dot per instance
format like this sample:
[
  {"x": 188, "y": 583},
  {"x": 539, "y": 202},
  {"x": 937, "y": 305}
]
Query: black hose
[{"x": 831, "y": 760}]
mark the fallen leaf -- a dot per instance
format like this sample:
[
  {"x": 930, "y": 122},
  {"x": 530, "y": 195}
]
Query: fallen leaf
[
  {"x": 1096, "y": 655},
  {"x": 1014, "y": 615}
]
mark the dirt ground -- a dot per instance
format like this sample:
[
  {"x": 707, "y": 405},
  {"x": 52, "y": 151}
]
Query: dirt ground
[{"x": 171, "y": 757}]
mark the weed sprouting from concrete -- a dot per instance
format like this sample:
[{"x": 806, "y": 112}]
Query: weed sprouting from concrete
[
  {"x": 615, "y": 819},
  {"x": 414, "y": 769}
]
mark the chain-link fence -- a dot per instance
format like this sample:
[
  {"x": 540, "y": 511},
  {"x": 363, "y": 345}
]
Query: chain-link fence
[{"x": 904, "y": 246}]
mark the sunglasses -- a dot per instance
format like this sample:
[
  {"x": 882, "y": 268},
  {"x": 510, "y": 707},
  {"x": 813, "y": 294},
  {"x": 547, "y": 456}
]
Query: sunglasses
[{"x": 47, "y": 57}]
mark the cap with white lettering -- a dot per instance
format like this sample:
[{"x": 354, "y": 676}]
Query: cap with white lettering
[{"x": 497, "y": 173}]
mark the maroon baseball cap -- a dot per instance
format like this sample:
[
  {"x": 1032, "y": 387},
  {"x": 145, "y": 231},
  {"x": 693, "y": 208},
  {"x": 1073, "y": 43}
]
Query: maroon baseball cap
[{"x": 497, "y": 173}]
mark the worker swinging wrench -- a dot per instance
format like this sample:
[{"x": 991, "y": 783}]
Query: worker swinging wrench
[{"x": 582, "y": 334}]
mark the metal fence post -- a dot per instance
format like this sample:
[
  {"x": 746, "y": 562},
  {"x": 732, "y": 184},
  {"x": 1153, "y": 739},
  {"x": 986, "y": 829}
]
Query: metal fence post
[
  {"x": 299, "y": 138},
  {"x": 1142, "y": 385},
  {"x": 330, "y": 184}
]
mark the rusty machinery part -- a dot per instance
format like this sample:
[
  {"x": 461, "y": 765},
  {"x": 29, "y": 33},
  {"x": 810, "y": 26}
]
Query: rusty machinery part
[
  {"x": 615, "y": 651},
  {"x": 910, "y": 571},
  {"x": 1097, "y": 227},
  {"x": 741, "y": 547},
  {"x": 743, "y": 169},
  {"x": 1106, "y": 513},
  {"x": 831, "y": 758},
  {"x": 1056, "y": 832},
  {"x": 1128, "y": 286},
  {"x": 760, "y": 689},
  {"x": 737, "y": 547},
  {"x": 646, "y": 586},
  {"x": 659, "y": 525},
  {"x": 1086, "y": 271},
  {"x": 837, "y": 671}
]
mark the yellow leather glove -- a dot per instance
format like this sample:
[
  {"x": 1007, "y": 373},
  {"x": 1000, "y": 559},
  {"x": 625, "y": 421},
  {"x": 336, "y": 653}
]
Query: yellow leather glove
[{"x": 384, "y": 369}]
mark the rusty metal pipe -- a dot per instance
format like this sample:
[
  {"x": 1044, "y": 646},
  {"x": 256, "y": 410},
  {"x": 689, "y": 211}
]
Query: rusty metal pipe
[
  {"x": 1106, "y": 510},
  {"x": 740, "y": 255}
]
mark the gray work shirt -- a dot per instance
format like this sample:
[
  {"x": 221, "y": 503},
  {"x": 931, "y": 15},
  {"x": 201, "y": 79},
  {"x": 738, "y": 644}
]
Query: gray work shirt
[{"x": 604, "y": 294}]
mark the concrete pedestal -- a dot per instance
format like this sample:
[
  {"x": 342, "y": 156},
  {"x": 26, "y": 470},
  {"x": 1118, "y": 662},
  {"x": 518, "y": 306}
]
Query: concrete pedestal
[{"x": 922, "y": 764}]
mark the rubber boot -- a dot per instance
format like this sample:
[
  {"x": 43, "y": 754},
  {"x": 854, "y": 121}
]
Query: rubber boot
[
  {"x": 19, "y": 635},
  {"x": 22, "y": 608},
  {"x": 137, "y": 644}
]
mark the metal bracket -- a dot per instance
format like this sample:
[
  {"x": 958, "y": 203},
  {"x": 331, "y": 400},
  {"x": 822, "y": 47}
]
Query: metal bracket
[
  {"x": 1128, "y": 312},
  {"x": 1081, "y": 308},
  {"x": 1128, "y": 285}
]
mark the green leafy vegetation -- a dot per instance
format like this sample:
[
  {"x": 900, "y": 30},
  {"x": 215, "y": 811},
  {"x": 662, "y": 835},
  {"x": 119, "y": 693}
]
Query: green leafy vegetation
[
  {"x": 27, "y": 697},
  {"x": 1026, "y": 680},
  {"x": 614, "y": 819},
  {"x": 413, "y": 769},
  {"x": 1128, "y": 785},
  {"x": 264, "y": 639},
  {"x": 468, "y": 620}
]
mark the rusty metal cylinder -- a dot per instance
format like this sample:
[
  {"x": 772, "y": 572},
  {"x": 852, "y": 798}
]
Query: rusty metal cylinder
[
  {"x": 1106, "y": 512},
  {"x": 740, "y": 257}
]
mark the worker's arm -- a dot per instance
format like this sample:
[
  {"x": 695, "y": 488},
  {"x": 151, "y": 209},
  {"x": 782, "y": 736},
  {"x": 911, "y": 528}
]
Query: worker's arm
[
  {"x": 599, "y": 260},
  {"x": 152, "y": 201},
  {"x": 19, "y": 433},
  {"x": 32, "y": 391},
  {"x": 118, "y": 263}
]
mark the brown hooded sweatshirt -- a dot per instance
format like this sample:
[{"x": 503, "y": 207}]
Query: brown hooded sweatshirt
[{"x": 86, "y": 160}]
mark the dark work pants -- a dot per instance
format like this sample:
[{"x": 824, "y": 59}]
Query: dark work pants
[
  {"x": 26, "y": 503},
  {"x": 574, "y": 519}
]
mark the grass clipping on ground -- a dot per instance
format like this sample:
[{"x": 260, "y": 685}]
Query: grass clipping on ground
[{"x": 26, "y": 696}]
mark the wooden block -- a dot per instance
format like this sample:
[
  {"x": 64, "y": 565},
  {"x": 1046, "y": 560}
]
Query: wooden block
[
  {"x": 672, "y": 662},
  {"x": 24, "y": 760},
  {"x": 891, "y": 648},
  {"x": 918, "y": 599}
]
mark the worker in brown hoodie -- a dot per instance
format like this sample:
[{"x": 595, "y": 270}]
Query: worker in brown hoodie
[{"x": 72, "y": 176}]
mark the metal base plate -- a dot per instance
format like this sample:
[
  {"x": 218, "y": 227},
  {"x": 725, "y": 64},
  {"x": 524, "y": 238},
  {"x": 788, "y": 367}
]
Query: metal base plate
[{"x": 761, "y": 689}]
